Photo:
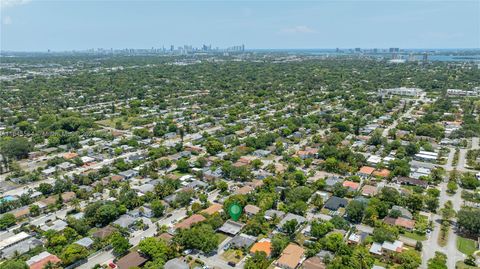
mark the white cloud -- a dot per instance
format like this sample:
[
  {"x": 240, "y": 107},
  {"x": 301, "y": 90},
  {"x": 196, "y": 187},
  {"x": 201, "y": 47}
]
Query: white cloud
[
  {"x": 11, "y": 3},
  {"x": 301, "y": 29}
]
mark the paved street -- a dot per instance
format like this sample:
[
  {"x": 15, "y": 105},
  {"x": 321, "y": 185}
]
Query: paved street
[
  {"x": 430, "y": 246},
  {"x": 395, "y": 122},
  {"x": 100, "y": 258}
]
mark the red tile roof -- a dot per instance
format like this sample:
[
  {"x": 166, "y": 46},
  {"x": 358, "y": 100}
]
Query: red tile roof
[
  {"x": 188, "y": 222},
  {"x": 41, "y": 263},
  {"x": 351, "y": 184},
  {"x": 367, "y": 170},
  {"x": 382, "y": 173},
  {"x": 405, "y": 223},
  {"x": 214, "y": 208},
  {"x": 265, "y": 246}
]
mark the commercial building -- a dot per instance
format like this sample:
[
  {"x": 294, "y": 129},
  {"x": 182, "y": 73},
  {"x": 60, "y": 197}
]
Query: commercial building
[{"x": 402, "y": 91}]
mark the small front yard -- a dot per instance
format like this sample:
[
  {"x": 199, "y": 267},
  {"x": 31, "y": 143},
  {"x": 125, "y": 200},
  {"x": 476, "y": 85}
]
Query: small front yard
[
  {"x": 221, "y": 237},
  {"x": 415, "y": 236},
  {"x": 466, "y": 246},
  {"x": 193, "y": 262},
  {"x": 233, "y": 255}
]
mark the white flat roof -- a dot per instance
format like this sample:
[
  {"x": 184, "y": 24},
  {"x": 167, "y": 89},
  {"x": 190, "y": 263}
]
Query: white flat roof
[
  {"x": 13, "y": 239},
  {"x": 428, "y": 153},
  {"x": 426, "y": 156}
]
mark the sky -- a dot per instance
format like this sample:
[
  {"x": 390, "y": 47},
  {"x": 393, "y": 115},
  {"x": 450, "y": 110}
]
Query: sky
[{"x": 39, "y": 25}]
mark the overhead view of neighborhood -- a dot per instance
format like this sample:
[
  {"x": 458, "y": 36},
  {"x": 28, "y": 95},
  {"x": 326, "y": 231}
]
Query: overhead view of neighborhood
[
  {"x": 161, "y": 134},
  {"x": 121, "y": 161}
]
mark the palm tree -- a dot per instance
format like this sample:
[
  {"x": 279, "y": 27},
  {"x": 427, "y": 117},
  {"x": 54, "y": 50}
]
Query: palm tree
[{"x": 51, "y": 265}]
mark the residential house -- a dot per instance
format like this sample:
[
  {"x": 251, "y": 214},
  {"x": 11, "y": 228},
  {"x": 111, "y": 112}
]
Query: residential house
[
  {"x": 188, "y": 222},
  {"x": 314, "y": 262},
  {"x": 271, "y": 214},
  {"x": 411, "y": 181},
  {"x": 251, "y": 210},
  {"x": 264, "y": 245},
  {"x": 231, "y": 227},
  {"x": 244, "y": 190},
  {"x": 332, "y": 181},
  {"x": 334, "y": 203},
  {"x": 323, "y": 194},
  {"x": 13, "y": 239},
  {"x": 212, "y": 209},
  {"x": 291, "y": 257},
  {"x": 392, "y": 247},
  {"x": 300, "y": 220},
  {"x": 86, "y": 242},
  {"x": 307, "y": 153},
  {"x": 132, "y": 259},
  {"x": 426, "y": 156},
  {"x": 56, "y": 225},
  {"x": 405, "y": 213},
  {"x": 261, "y": 153},
  {"x": 65, "y": 166},
  {"x": 242, "y": 241},
  {"x": 20, "y": 248},
  {"x": 145, "y": 188},
  {"x": 21, "y": 212},
  {"x": 128, "y": 174},
  {"x": 39, "y": 261},
  {"x": 352, "y": 186},
  {"x": 407, "y": 224},
  {"x": 369, "y": 190},
  {"x": 382, "y": 173},
  {"x": 366, "y": 171},
  {"x": 357, "y": 238},
  {"x": 70, "y": 155},
  {"x": 125, "y": 221},
  {"x": 104, "y": 232},
  {"x": 374, "y": 160}
]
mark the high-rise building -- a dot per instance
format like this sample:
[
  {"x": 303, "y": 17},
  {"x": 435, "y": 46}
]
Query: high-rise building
[{"x": 425, "y": 57}]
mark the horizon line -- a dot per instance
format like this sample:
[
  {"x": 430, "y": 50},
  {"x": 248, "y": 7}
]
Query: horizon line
[{"x": 246, "y": 49}]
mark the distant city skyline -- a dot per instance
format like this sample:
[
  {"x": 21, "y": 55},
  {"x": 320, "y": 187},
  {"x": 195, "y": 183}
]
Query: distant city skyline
[{"x": 36, "y": 25}]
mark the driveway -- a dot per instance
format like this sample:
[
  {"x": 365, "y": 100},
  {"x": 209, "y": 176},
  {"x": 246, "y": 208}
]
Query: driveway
[{"x": 100, "y": 258}]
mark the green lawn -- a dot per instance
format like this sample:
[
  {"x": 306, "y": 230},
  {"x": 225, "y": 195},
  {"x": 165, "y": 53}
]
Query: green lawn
[
  {"x": 466, "y": 246},
  {"x": 221, "y": 237},
  {"x": 178, "y": 173},
  {"x": 232, "y": 255},
  {"x": 380, "y": 263},
  {"x": 415, "y": 236},
  {"x": 112, "y": 123}
]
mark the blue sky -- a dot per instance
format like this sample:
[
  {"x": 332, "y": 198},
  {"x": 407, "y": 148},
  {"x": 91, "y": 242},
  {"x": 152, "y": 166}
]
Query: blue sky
[{"x": 38, "y": 25}]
